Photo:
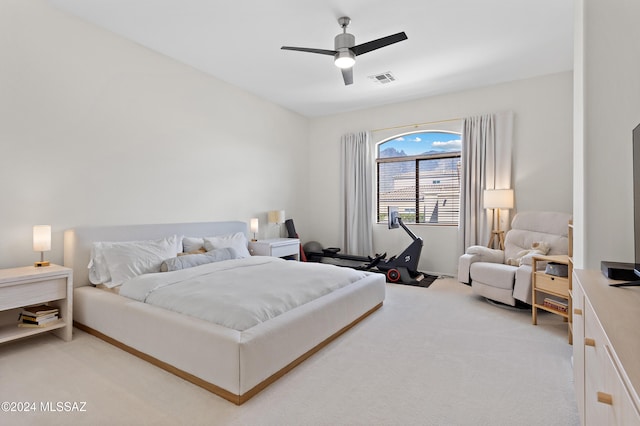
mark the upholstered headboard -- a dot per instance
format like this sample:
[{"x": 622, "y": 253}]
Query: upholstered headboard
[{"x": 78, "y": 241}]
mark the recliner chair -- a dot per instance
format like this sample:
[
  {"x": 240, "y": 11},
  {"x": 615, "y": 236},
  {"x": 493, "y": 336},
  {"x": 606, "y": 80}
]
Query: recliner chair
[{"x": 487, "y": 270}]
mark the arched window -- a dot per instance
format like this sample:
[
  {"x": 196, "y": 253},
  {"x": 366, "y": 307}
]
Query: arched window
[{"x": 419, "y": 173}]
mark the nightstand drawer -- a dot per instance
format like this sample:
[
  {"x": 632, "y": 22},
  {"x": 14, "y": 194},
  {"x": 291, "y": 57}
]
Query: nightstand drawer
[
  {"x": 552, "y": 284},
  {"x": 31, "y": 293}
]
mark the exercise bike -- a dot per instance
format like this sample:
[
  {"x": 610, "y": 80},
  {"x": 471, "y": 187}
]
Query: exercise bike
[{"x": 401, "y": 269}]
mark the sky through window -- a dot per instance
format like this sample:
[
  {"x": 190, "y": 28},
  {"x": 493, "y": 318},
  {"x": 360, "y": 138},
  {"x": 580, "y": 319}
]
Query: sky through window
[{"x": 420, "y": 143}]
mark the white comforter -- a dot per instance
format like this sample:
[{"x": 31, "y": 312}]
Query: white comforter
[{"x": 239, "y": 293}]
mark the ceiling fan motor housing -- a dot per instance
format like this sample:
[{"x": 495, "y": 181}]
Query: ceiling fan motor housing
[{"x": 344, "y": 41}]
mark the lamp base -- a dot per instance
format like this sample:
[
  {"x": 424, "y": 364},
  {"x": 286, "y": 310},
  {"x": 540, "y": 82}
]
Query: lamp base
[
  {"x": 497, "y": 236},
  {"x": 41, "y": 263}
]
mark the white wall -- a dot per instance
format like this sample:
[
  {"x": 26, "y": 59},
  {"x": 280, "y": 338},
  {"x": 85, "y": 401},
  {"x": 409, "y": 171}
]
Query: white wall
[
  {"x": 542, "y": 157},
  {"x": 610, "y": 108},
  {"x": 97, "y": 130}
]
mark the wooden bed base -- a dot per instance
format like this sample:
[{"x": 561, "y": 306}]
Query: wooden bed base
[{"x": 229, "y": 396}]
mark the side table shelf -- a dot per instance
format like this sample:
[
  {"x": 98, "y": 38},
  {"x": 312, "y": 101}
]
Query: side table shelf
[
  {"x": 11, "y": 332},
  {"x": 551, "y": 285},
  {"x": 20, "y": 287}
]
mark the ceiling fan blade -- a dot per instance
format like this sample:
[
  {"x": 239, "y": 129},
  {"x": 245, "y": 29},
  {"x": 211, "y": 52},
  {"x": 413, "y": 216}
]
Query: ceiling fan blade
[
  {"x": 347, "y": 75},
  {"x": 377, "y": 44},
  {"x": 306, "y": 49}
]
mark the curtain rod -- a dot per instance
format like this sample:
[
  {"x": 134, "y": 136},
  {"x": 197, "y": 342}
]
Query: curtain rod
[{"x": 416, "y": 125}]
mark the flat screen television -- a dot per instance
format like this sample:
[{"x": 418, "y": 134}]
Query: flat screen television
[{"x": 636, "y": 209}]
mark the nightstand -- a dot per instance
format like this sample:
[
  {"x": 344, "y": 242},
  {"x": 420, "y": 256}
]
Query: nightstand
[
  {"x": 20, "y": 287},
  {"x": 276, "y": 247},
  {"x": 550, "y": 285}
]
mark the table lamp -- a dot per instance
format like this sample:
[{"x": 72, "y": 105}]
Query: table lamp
[
  {"x": 41, "y": 243},
  {"x": 253, "y": 226},
  {"x": 497, "y": 199},
  {"x": 276, "y": 217}
]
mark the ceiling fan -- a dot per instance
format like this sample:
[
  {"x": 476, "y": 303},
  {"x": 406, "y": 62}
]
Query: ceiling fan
[{"x": 345, "y": 50}]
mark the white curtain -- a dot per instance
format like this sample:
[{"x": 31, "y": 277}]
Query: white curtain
[
  {"x": 486, "y": 164},
  {"x": 356, "y": 220}
]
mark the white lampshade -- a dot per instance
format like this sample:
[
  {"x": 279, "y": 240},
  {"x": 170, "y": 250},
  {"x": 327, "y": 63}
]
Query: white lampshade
[
  {"x": 42, "y": 238},
  {"x": 253, "y": 225},
  {"x": 498, "y": 198},
  {"x": 276, "y": 216}
]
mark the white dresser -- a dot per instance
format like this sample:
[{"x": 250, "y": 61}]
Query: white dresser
[{"x": 606, "y": 350}]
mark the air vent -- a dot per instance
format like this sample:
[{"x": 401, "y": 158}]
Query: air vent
[{"x": 384, "y": 78}]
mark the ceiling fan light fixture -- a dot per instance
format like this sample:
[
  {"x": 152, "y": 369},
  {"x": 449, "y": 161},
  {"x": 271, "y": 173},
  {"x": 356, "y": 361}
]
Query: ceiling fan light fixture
[
  {"x": 345, "y": 49},
  {"x": 345, "y": 59}
]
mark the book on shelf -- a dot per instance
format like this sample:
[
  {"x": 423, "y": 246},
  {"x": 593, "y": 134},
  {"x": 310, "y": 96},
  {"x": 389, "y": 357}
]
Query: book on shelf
[
  {"x": 39, "y": 321},
  {"x": 39, "y": 310},
  {"x": 47, "y": 324},
  {"x": 38, "y": 317},
  {"x": 556, "y": 305}
]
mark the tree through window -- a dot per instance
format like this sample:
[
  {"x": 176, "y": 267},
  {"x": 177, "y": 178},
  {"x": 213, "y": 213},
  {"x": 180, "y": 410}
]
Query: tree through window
[{"x": 420, "y": 174}]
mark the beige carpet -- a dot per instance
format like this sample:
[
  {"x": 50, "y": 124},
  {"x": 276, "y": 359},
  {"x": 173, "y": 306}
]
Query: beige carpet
[{"x": 437, "y": 356}]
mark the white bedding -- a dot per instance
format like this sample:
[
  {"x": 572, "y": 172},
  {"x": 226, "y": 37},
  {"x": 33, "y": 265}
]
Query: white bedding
[{"x": 239, "y": 293}]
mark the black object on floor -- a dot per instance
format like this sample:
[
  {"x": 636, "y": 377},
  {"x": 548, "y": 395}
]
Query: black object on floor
[
  {"x": 357, "y": 263},
  {"x": 425, "y": 282}
]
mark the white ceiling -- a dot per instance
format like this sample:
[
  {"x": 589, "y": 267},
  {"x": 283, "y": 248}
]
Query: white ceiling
[{"x": 452, "y": 45}]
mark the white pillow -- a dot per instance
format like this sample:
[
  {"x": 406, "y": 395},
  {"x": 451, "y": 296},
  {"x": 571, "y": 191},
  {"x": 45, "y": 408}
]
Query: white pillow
[
  {"x": 193, "y": 260},
  {"x": 237, "y": 241},
  {"x": 127, "y": 260},
  {"x": 178, "y": 242},
  {"x": 98, "y": 271},
  {"x": 98, "y": 268},
  {"x": 191, "y": 244}
]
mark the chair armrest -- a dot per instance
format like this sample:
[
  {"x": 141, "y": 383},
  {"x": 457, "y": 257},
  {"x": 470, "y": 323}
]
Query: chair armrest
[
  {"x": 486, "y": 254},
  {"x": 464, "y": 265},
  {"x": 477, "y": 254}
]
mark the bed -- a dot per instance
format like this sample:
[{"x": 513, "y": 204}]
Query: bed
[{"x": 234, "y": 363}]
